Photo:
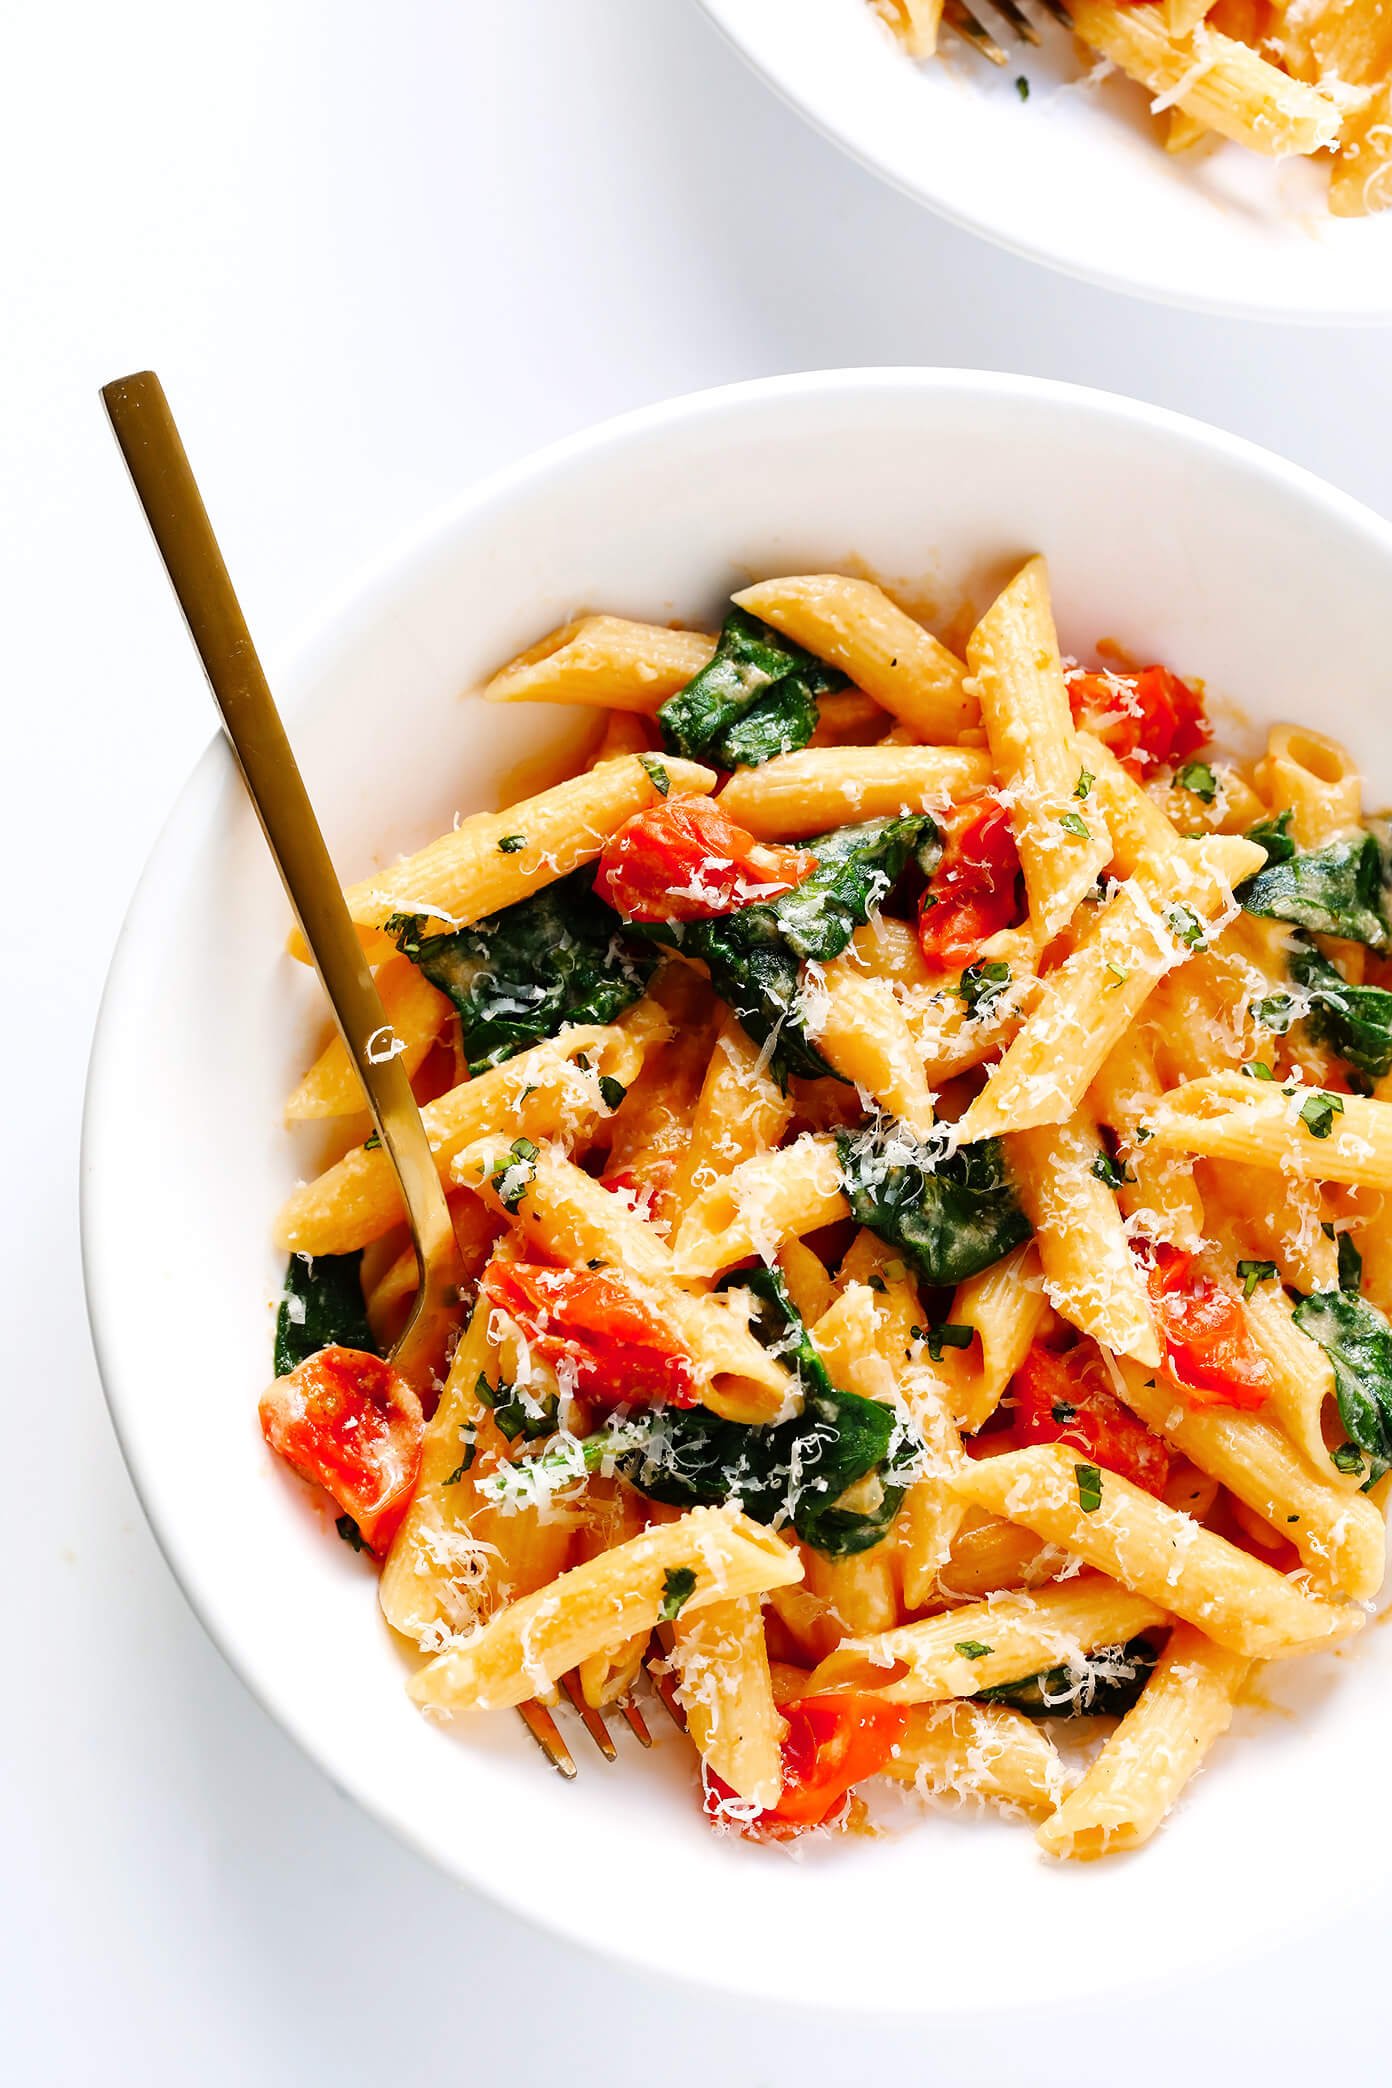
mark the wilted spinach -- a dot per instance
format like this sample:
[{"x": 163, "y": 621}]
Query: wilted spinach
[
  {"x": 952, "y": 1215},
  {"x": 1114, "y": 1679},
  {"x": 1356, "y": 1021},
  {"x": 321, "y": 1306},
  {"x": 1358, "y": 1342},
  {"x": 756, "y": 697},
  {"x": 1336, "y": 890},
  {"x": 792, "y": 1470},
  {"x": 523, "y": 974}
]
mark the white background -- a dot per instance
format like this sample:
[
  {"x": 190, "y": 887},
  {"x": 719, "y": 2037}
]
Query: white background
[{"x": 375, "y": 250}]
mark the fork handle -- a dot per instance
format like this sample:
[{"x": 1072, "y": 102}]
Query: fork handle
[{"x": 168, "y": 492}]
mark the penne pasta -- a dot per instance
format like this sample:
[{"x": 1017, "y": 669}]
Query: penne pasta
[{"x": 854, "y": 625}]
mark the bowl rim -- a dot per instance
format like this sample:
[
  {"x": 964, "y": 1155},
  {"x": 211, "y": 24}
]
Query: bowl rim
[
  {"x": 359, "y": 601},
  {"x": 956, "y": 209}
]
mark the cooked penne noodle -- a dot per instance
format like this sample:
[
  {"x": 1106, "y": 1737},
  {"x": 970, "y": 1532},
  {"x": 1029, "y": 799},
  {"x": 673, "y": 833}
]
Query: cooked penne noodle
[
  {"x": 1340, "y": 1536},
  {"x": 467, "y": 874},
  {"x": 741, "y": 1111},
  {"x": 605, "y": 660},
  {"x": 529, "y": 1645},
  {"x": 1090, "y": 1273},
  {"x": 760, "y": 1204},
  {"x": 1003, "y": 1307},
  {"x": 797, "y": 795},
  {"x": 989, "y": 1644},
  {"x": 861, "y": 1031},
  {"x": 985, "y": 1751},
  {"x": 542, "y": 1093},
  {"x": 1017, "y": 676},
  {"x": 1299, "y": 1130},
  {"x": 1186, "y": 1705},
  {"x": 725, "y": 1688},
  {"x": 855, "y": 625},
  {"x": 415, "y": 1014},
  {"x": 1154, "y": 1550}
]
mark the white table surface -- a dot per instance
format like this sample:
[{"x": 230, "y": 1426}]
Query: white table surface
[{"x": 374, "y": 251}]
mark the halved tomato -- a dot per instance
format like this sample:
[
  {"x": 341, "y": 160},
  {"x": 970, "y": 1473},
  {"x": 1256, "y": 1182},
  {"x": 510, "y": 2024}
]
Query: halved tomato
[
  {"x": 593, "y": 1323},
  {"x": 684, "y": 860},
  {"x": 349, "y": 1423}
]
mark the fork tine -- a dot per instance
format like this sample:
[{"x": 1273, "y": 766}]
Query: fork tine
[
  {"x": 665, "y": 1683},
  {"x": 592, "y": 1720},
  {"x": 548, "y": 1736},
  {"x": 1059, "y": 12},
  {"x": 960, "y": 18},
  {"x": 1018, "y": 20},
  {"x": 637, "y": 1724}
]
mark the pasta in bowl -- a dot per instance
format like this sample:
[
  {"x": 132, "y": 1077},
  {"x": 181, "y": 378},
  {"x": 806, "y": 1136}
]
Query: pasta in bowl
[
  {"x": 1186, "y": 547},
  {"x": 915, "y": 1137}
]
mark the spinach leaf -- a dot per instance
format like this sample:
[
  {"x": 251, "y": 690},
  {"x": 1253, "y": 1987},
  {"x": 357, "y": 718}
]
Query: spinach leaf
[
  {"x": 754, "y": 955},
  {"x": 753, "y": 669},
  {"x": 1337, "y": 890},
  {"x": 523, "y": 974},
  {"x": 321, "y": 1304},
  {"x": 792, "y": 1470},
  {"x": 758, "y": 976},
  {"x": 857, "y": 868},
  {"x": 1358, "y": 1342},
  {"x": 952, "y": 1216},
  {"x": 1355, "y": 1020},
  {"x": 1274, "y": 835},
  {"x": 1108, "y": 1686}
]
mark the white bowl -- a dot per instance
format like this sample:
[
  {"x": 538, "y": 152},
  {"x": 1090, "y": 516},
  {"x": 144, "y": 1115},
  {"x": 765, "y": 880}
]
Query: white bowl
[
  {"x": 1185, "y": 544},
  {"x": 1075, "y": 176}
]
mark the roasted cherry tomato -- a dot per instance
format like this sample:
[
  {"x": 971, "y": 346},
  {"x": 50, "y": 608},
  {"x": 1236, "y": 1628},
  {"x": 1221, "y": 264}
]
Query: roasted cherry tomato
[
  {"x": 1146, "y": 719},
  {"x": 1208, "y": 1351},
  {"x": 832, "y": 1743},
  {"x": 348, "y": 1422},
  {"x": 684, "y": 860},
  {"x": 1062, "y": 1396},
  {"x": 593, "y": 1322},
  {"x": 974, "y": 892}
]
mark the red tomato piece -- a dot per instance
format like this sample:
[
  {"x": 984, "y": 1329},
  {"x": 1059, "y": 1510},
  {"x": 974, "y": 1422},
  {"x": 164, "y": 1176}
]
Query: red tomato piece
[
  {"x": 973, "y": 893},
  {"x": 684, "y": 860},
  {"x": 1147, "y": 718},
  {"x": 1209, "y": 1353},
  {"x": 349, "y": 1423},
  {"x": 833, "y": 1742},
  {"x": 589, "y": 1320},
  {"x": 1061, "y": 1396}
]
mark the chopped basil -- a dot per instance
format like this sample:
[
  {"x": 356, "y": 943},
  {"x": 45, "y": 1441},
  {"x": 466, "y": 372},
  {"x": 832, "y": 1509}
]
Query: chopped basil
[
  {"x": 1318, "y": 1111},
  {"x": 1110, "y": 1171},
  {"x": 1186, "y": 927},
  {"x": 971, "y": 1649},
  {"x": 1198, "y": 777},
  {"x": 952, "y": 1216},
  {"x": 657, "y": 774},
  {"x": 981, "y": 987},
  {"x": 1084, "y": 783},
  {"x": 947, "y": 1334},
  {"x": 1257, "y": 1069},
  {"x": 678, "y": 1587},
  {"x": 1253, "y": 1273},
  {"x": 467, "y": 1438},
  {"x": 321, "y": 1306},
  {"x": 514, "y": 1174},
  {"x": 611, "y": 1091},
  {"x": 1347, "y": 1458},
  {"x": 1074, "y": 823},
  {"x": 1063, "y": 1411},
  {"x": 1022, "y": 86},
  {"x": 1276, "y": 1013},
  {"x": 1089, "y": 1480},
  {"x": 372, "y": 1142},
  {"x": 511, "y": 843},
  {"x": 517, "y": 1412}
]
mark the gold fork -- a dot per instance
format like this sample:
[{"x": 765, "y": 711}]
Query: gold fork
[
  {"x": 167, "y": 491},
  {"x": 960, "y": 19}
]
